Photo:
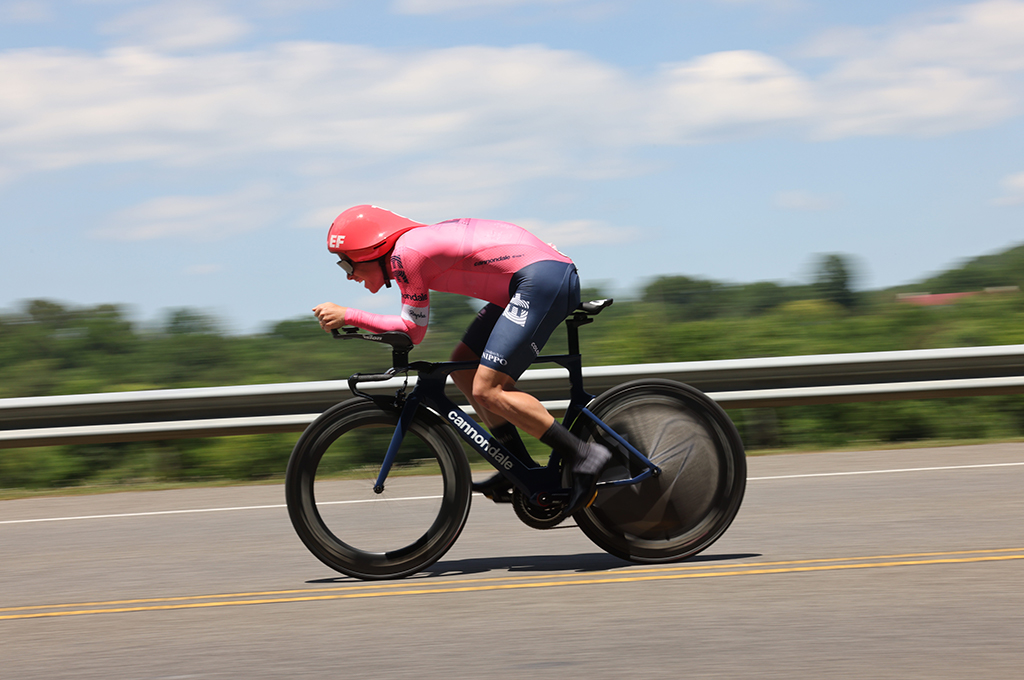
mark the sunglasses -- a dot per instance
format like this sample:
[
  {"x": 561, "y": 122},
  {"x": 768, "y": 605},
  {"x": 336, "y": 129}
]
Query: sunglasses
[{"x": 347, "y": 266}]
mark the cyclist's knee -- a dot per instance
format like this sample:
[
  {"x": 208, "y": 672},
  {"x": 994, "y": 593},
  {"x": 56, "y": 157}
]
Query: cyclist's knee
[
  {"x": 489, "y": 387},
  {"x": 488, "y": 396}
]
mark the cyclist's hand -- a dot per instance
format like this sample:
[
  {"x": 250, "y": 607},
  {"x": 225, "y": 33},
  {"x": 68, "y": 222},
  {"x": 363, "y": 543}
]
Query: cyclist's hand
[{"x": 330, "y": 315}]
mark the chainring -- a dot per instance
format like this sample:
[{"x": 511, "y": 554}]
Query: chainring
[{"x": 534, "y": 516}]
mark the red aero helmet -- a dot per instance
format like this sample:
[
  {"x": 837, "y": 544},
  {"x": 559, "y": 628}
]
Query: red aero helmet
[{"x": 366, "y": 232}]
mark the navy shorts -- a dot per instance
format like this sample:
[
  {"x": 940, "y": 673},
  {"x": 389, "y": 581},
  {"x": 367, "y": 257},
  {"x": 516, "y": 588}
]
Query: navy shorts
[{"x": 542, "y": 295}]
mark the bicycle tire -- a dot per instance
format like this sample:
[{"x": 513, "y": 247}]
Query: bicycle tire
[
  {"x": 323, "y": 508},
  {"x": 698, "y": 493}
]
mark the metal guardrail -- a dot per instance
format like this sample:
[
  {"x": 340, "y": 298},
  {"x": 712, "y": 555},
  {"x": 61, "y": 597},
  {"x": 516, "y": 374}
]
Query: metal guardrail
[{"x": 734, "y": 383}]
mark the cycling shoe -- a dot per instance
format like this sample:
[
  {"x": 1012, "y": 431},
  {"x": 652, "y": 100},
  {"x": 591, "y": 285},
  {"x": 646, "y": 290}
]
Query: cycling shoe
[
  {"x": 497, "y": 488},
  {"x": 587, "y": 470},
  {"x": 583, "y": 493}
]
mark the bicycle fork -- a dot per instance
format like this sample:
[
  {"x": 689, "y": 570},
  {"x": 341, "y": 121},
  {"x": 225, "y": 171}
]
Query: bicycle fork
[{"x": 404, "y": 420}]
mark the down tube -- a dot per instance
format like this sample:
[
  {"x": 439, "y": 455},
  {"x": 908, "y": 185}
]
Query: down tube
[
  {"x": 485, "y": 444},
  {"x": 404, "y": 420},
  {"x": 471, "y": 431}
]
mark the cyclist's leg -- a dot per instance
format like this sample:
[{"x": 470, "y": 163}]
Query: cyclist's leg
[
  {"x": 470, "y": 349},
  {"x": 543, "y": 294},
  {"x": 497, "y": 487},
  {"x": 587, "y": 459},
  {"x": 507, "y": 341},
  {"x": 464, "y": 381},
  {"x": 498, "y": 395}
]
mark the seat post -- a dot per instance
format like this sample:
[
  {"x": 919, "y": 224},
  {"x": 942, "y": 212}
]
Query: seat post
[
  {"x": 400, "y": 357},
  {"x": 572, "y": 325}
]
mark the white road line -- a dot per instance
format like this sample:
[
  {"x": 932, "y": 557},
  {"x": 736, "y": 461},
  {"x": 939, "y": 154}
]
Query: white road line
[
  {"x": 139, "y": 514},
  {"x": 884, "y": 472},
  {"x": 419, "y": 498},
  {"x": 198, "y": 510}
]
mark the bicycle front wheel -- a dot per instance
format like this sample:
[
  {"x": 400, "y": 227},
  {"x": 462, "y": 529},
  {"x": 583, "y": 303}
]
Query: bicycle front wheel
[
  {"x": 703, "y": 472},
  {"x": 352, "y": 529}
]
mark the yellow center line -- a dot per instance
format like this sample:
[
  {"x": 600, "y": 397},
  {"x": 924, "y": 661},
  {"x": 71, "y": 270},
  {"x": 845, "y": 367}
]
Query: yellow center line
[
  {"x": 513, "y": 583},
  {"x": 493, "y": 579}
]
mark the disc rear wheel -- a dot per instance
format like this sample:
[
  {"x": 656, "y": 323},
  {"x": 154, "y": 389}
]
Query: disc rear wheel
[{"x": 703, "y": 472}]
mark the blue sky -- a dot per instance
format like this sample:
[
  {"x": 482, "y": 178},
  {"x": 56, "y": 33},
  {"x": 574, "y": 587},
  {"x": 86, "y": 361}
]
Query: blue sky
[{"x": 193, "y": 153}]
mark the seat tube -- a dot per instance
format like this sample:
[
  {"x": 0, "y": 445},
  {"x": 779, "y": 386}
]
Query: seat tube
[
  {"x": 404, "y": 420},
  {"x": 574, "y": 364}
]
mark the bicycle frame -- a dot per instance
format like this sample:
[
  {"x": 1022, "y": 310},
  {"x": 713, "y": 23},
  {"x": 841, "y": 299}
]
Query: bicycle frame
[{"x": 542, "y": 484}]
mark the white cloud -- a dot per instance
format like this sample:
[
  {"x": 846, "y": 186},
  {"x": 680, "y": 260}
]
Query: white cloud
[
  {"x": 471, "y": 124},
  {"x": 444, "y": 6},
  {"x": 723, "y": 94},
  {"x": 575, "y": 232},
  {"x": 177, "y": 25},
  {"x": 25, "y": 12},
  {"x": 69, "y": 108},
  {"x": 1013, "y": 190},
  {"x": 983, "y": 36},
  {"x": 933, "y": 74},
  {"x": 804, "y": 201},
  {"x": 523, "y": 111},
  {"x": 286, "y": 7},
  {"x": 531, "y": 105},
  {"x": 775, "y": 5},
  {"x": 199, "y": 218},
  {"x": 926, "y": 101}
]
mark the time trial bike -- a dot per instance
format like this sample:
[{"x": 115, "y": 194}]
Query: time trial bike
[{"x": 673, "y": 486}]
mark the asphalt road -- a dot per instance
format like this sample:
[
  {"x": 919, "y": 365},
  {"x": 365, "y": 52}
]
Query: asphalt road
[{"x": 892, "y": 564}]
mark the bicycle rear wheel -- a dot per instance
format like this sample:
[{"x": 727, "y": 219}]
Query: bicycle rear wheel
[
  {"x": 332, "y": 505},
  {"x": 703, "y": 472}
]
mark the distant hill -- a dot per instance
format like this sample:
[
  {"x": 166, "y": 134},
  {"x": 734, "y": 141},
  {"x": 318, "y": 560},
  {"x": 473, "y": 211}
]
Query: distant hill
[{"x": 988, "y": 271}]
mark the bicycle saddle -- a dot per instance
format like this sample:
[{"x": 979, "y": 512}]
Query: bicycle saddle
[{"x": 595, "y": 306}]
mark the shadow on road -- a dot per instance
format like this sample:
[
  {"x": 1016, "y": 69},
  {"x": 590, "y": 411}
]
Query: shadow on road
[
  {"x": 579, "y": 563},
  {"x": 582, "y": 562}
]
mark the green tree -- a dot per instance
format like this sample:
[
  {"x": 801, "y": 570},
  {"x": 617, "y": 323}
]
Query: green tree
[
  {"x": 694, "y": 298},
  {"x": 987, "y": 271},
  {"x": 834, "y": 282},
  {"x": 759, "y": 298}
]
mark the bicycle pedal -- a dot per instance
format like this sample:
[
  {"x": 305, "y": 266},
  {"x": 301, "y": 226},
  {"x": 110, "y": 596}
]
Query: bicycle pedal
[{"x": 500, "y": 496}]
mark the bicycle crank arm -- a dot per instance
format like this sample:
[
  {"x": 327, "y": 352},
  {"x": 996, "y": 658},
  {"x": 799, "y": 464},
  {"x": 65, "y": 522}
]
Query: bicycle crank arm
[{"x": 545, "y": 499}]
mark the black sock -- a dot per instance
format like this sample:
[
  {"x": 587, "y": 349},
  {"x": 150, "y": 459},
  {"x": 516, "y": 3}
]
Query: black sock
[
  {"x": 563, "y": 441},
  {"x": 508, "y": 436},
  {"x": 581, "y": 456}
]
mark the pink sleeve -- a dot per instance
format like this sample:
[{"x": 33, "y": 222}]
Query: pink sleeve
[
  {"x": 410, "y": 270},
  {"x": 379, "y": 323}
]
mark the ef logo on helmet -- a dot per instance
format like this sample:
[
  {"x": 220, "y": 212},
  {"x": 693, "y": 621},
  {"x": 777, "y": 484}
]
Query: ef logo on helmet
[{"x": 367, "y": 232}]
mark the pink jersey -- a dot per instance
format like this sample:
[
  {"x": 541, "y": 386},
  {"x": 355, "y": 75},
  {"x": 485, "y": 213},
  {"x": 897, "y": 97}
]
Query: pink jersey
[{"x": 476, "y": 258}]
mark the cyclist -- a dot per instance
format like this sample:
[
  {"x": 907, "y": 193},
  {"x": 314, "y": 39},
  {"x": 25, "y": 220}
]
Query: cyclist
[{"x": 529, "y": 288}]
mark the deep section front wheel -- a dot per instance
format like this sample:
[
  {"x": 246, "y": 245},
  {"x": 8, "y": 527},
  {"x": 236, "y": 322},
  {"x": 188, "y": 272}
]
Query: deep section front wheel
[
  {"x": 368, "y": 535},
  {"x": 703, "y": 472}
]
